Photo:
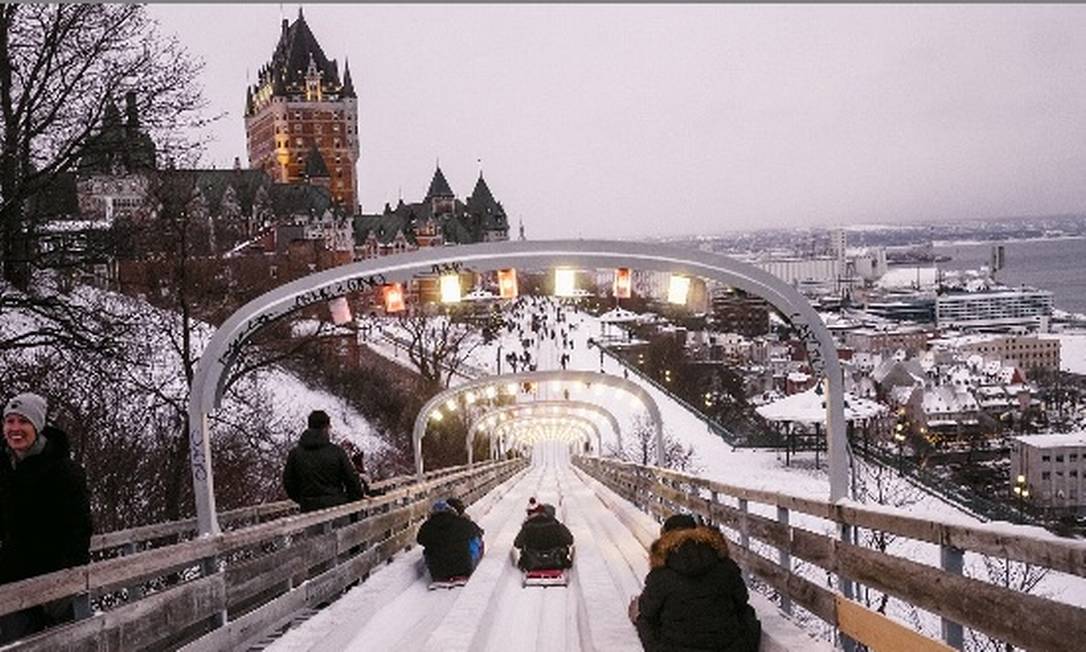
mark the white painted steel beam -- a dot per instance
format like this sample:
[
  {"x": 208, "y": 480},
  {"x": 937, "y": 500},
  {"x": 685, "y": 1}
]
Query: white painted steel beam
[{"x": 222, "y": 351}]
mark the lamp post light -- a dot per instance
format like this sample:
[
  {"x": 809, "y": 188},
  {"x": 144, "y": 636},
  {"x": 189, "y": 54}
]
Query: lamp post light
[
  {"x": 1021, "y": 492},
  {"x": 899, "y": 436}
]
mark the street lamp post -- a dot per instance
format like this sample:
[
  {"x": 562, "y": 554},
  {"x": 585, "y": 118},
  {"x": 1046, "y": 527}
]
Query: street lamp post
[
  {"x": 1021, "y": 492},
  {"x": 899, "y": 436},
  {"x": 499, "y": 359}
]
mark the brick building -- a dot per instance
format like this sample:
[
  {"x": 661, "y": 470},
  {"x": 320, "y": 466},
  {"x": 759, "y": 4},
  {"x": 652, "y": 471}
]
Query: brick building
[
  {"x": 301, "y": 118},
  {"x": 1028, "y": 352},
  {"x": 913, "y": 340}
]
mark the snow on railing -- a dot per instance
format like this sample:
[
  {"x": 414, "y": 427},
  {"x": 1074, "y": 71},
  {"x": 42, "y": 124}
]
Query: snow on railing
[
  {"x": 223, "y": 592},
  {"x": 1005, "y": 614}
]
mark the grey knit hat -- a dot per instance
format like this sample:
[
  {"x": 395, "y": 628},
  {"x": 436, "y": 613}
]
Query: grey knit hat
[{"x": 31, "y": 406}]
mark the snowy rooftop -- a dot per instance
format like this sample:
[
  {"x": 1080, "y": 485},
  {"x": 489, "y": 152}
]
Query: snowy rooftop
[
  {"x": 1054, "y": 441},
  {"x": 808, "y": 407},
  {"x": 619, "y": 315}
]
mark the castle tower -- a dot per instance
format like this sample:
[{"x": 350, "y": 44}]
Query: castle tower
[{"x": 298, "y": 107}]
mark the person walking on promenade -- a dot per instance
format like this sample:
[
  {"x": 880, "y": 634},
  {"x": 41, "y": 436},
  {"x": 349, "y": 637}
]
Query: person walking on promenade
[
  {"x": 318, "y": 473},
  {"x": 45, "y": 520}
]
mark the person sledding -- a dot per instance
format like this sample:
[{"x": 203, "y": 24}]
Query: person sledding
[
  {"x": 543, "y": 541},
  {"x": 447, "y": 540}
]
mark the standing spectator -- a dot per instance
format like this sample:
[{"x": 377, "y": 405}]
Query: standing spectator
[
  {"x": 358, "y": 461},
  {"x": 694, "y": 597},
  {"x": 318, "y": 473},
  {"x": 45, "y": 521}
]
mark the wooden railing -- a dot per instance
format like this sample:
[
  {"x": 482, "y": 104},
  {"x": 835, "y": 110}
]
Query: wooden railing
[
  {"x": 222, "y": 592},
  {"x": 1021, "y": 619},
  {"x": 122, "y": 542}
]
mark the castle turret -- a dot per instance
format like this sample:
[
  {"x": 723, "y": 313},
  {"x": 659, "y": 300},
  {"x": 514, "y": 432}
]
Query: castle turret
[{"x": 299, "y": 103}]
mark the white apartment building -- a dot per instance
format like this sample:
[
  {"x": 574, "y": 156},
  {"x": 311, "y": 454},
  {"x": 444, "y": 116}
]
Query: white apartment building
[
  {"x": 1052, "y": 467},
  {"x": 996, "y": 308}
]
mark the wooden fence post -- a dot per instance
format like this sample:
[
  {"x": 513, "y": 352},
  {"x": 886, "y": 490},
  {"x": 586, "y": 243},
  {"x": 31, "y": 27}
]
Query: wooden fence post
[
  {"x": 744, "y": 533},
  {"x": 952, "y": 560},
  {"x": 135, "y": 591},
  {"x": 784, "y": 558},
  {"x": 208, "y": 567}
]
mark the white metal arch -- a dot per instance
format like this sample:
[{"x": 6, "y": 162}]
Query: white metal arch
[
  {"x": 571, "y": 378},
  {"x": 541, "y": 408},
  {"x": 582, "y": 425},
  {"x": 225, "y": 345}
]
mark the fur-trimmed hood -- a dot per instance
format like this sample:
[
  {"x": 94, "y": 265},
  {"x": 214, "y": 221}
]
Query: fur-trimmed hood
[{"x": 690, "y": 551}]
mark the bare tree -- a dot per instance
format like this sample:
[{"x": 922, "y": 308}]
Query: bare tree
[
  {"x": 61, "y": 68},
  {"x": 639, "y": 447},
  {"x": 1001, "y": 571},
  {"x": 438, "y": 346},
  {"x": 880, "y": 485}
]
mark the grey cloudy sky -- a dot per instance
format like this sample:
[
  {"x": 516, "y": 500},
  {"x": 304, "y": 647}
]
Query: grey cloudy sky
[{"x": 652, "y": 120}]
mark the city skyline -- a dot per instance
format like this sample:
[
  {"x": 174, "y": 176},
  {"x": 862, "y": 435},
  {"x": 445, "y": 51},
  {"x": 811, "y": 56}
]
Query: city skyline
[{"x": 634, "y": 121}]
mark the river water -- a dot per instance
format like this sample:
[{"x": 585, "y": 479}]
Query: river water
[{"x": 1055, "y": 265}]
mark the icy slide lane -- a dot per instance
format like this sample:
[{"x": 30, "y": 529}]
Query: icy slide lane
[{"x": 393, "y": 610}]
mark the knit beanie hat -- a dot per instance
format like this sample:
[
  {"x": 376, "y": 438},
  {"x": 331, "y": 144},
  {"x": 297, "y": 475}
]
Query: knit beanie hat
[
  {"x": 30, "y": 406},
  {"x": 441, "y": 506}
]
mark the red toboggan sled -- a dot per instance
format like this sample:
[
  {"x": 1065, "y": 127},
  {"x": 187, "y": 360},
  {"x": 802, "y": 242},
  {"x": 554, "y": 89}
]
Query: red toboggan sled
[
  {"x": 542, "y": 576},
  {"x": 545, "y": 577}
]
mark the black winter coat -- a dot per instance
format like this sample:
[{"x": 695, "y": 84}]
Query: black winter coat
[
  {"x": 45, "y": 521},
  {"x": 542, "y": 532},
  {"x": 318, "y": 473},
  {"x": 445, "y": 537},
  {"x": 694, "y": 597}
]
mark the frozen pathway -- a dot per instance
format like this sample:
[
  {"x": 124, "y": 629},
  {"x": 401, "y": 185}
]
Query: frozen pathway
[{"x": 393, "y": 610}]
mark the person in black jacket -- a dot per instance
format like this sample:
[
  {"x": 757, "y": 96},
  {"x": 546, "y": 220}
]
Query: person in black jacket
[
  {"x": 45, "y": 521},
  {"x": 318, "y": 474},
  {"x": 694, "y": 597},
  {"x": 447, "y": 538},
  {"x": 543, "y": 540}
]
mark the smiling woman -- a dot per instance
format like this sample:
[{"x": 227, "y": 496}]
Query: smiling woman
[{"x": 45, "y": 521}]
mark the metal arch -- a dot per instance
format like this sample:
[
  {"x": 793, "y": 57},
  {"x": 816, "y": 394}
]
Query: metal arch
[
  {"x": 581, "y": 428},
  {"x": 584, "y": 425},
  {"x": 221, "y": 352},
  {"x": 573, "y": 406},
  {"x": 539, "y": 378}
]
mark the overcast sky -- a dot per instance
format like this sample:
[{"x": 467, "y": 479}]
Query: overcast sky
[{"x": 656, "y": 120}]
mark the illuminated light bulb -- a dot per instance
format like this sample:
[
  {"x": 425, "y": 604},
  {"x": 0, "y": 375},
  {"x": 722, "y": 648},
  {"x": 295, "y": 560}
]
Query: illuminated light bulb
[
  {"x": 450, "y": 288},
  {"x": 565, "y": 282},
  {"x": 678, "y": 288},
  {"x": 393, "y": 297}
]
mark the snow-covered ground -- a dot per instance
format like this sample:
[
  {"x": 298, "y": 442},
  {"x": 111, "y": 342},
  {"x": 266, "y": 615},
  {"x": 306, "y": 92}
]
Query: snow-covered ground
[
  {"x": 764, "y": 469},
  {"x": 293, "y": 400},
  {"x": 394, "y": 611},
  {"x": 290, "y": 400}
]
